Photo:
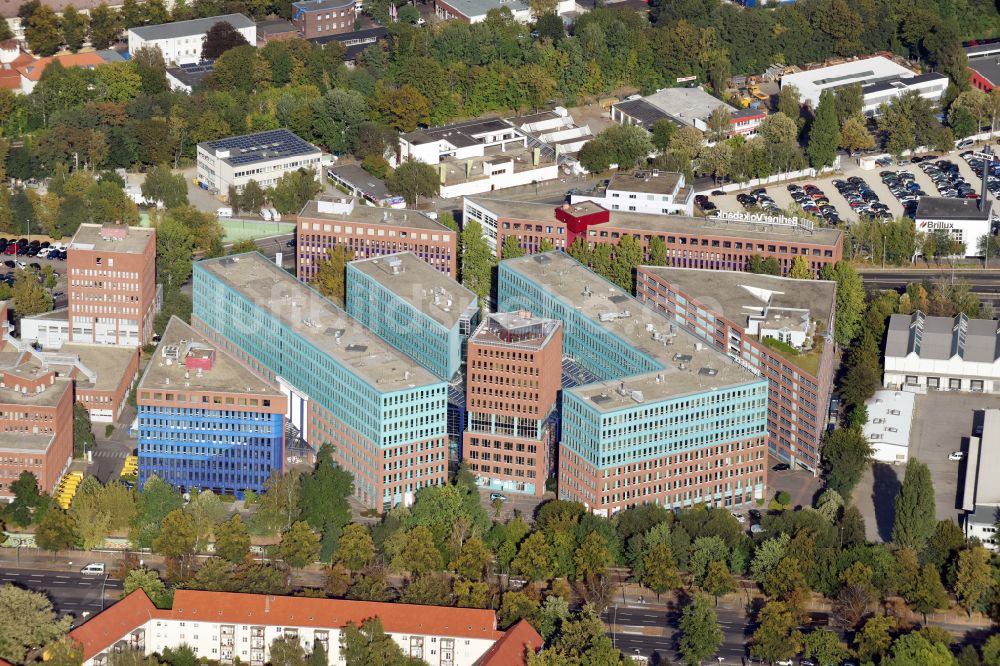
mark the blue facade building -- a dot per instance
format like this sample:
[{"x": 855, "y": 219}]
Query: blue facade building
[
  {"x": 670, "y": 419},
  {"x": 205, "y": 421},
  {"x": 384, "y": 414}
]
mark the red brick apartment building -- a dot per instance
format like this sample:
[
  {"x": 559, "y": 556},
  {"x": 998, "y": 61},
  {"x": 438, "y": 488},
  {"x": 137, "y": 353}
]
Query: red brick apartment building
[
  {"x": 690, "y": 242},
  {"x": 368, "y": 232},
  {"x": 318, "y": 18},
  {"x": 36, "y": 427},
  {"x": 112, "y": 285},
  {"x": 743, "y": 315},
  {"x": 514, "y": 377}
]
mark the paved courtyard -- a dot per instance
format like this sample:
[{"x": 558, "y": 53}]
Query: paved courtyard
[{"x": 942, "y": 423}]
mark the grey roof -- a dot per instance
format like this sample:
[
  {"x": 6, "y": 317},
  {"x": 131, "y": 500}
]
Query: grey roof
[
  {"x": 390, "y": 217},
  {"x": 685, "y": 105},
  {"x": 259, "y": 147},
  {"x": 190, "y": 28},
  {"x": 472, "y": 8},
  {"x": 112, "y": 238},
  {"x": 321, "y": 5},
  {"x": 361, "y": 180},
  {"x": 942, "y": 338},
  {"x": 275, "y": 27},
  {"x": 192, "y": 74},
  {"x": 641, "y": 110},
  {"x": 982, "y": 483},
  {"x": 365, "y": 38},
  {"x": 515, "y": 329},
  {"x": 987, "y": 65},
  {"x": 947, "y": 208},
  {"x": 457, "y": 134},
  {"x": 901, "y": 82},
  {"x": 982, "y": 49},
  {"x": 302, "y": 310},
  {"x": 418, "y": 284},
  {"x": 732, "y": 294}
]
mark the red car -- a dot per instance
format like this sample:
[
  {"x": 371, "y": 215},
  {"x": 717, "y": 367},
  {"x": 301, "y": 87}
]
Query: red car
[{"x": 11, "y": 249}]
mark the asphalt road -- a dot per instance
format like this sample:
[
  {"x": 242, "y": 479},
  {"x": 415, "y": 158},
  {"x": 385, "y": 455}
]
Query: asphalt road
[
  {"x": 985, "y": 283},
  {"x": 69, "y": 591},
  {"x": 635, "y": 632}
]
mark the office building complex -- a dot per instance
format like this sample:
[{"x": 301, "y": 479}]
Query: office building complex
[
  {"x": 385, "y": 415},
  {"x": 36, "y": 426},
  {"x": 720, "y": 244},
  {"x": 229, "y": 627},
  {"x": 777, "y": 327},
  {"x": 318, "y": 18},
  {"x": 102, "y": 375},
  {"x": 181, "y": 42},
  {"x": 413, "y": 307},
  {"x": 112, "y": 285},
  {"x": 942, "y": 353},
  {"x": 367, "y": 232},
  {"x": 652, "y": 192},
  {"x": 514, "y": 378},
  {"x": 206, "y": 422},
  {"x": 670, "y": 420},
  {"x": 263, "y": 157}
]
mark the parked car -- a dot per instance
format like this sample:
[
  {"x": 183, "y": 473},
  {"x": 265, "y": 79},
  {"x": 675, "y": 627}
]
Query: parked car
[
  {"x": 498, "y": 496},
  {"x": 956, "y": 455}
]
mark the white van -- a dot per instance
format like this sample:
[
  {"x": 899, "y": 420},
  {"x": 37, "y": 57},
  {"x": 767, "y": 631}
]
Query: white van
[
  {"x": 275, "y": 215},
  {"x": 93, "y": 569},
  {"x": 224, "y": 212},
  {"x": 265, "y": 214}
]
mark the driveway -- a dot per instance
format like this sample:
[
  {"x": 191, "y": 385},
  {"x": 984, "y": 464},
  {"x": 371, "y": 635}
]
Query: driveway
[{"x": 942, "y": 423}]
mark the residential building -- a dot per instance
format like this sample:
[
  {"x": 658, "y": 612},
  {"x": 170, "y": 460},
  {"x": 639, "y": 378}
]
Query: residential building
[
  {"x": 475, "y": 11},
  {"x": 965, "y": 220},
  {"x": 181, "y": 42},
  {"x": 112, "y": 284},
  {"x": 942, "y": 353},
  {"x": 685, "y": 107},
  {"x": 778, "y": 328},
  {"x": 670, "y": 420},
  {"x": 890, "y": 418},
  {"x": 413, "y": 307},
  {"x": 31, "y": 70},
  {"x": 36, "y": 424},
  {"x": 317, "y": 18},
  {"x": 384, "y": 413},
  {"x": 984, "y": 65},
  {"x": 514, "y": 378},
  {"x": 263, "y": 157},
  {"x": 981, "y": 490},
  {"x": 362, "y": 185},
  {"x": 651, "y": 192},
  {"x": 367, "y": 232},
  {"x": 229, "y": 626},
  {"x": 716, "y": 243},
  {"x": 206, "y": 422},
  {"x": 881, "y": 79}
]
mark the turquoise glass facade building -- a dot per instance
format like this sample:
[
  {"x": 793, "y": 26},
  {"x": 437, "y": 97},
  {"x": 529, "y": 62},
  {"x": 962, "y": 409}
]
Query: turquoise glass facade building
[
  {"x": 384, "y": 414},
  {"x": 671, "y": 420},
  {"x": 415, "y": 308}
]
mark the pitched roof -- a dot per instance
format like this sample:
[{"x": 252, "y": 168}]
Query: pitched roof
[
  {"x": 33, "y": 70},
  {"x": 236, "y": 608},
  {"x": 512, "y": 649},
  {"x": 108, "y": 626},
  {"x": 193, "y": 27}
]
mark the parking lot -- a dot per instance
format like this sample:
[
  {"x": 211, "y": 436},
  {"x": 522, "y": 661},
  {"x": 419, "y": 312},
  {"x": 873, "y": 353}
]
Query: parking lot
[
  {"x": 851, "y": 168},
  {"x": 13, "y": 261},
  {"x": 942, "y": 423}
]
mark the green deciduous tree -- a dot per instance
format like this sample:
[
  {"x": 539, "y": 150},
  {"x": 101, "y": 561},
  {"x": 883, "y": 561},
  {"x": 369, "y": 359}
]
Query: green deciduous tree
[
  {"x": 418, "y": 554},
  {"x": 28, "y": 503},
  {"x": 232, "y": 540},
  {"x": 74, "y": 28},
  {"x": 477, "y": 261},
  {"x": 56, "y": 532},
  {"x": 83, "y": 433},
  {"x": 356, "y": 548},
  {"x": 973, "y": 578},
  {"x": 592, "y": 558},
  {"x": 286, "y": 650},
  {"x": 294, "y": 189},
  {"x": 777, "y": 636},
  {"x": 846, "y": 454},
  {"x": 718, "y": 581},
  {"x": 414, "y": 179},
  {"x": 428, "y": 589},
  {"x": 511, "y": 248},
  {"x": 516, "y": 606},
  {"x": 800, "y": 269},
  {"x": 659, "y": 573},
  {"x": 29, "y": 296},
  {"x": 875, "y": 638},
  {"x": 105, "y": 26},
  {"x": 700, "y": 635},
  {"x": 854, "y": 135},
  {"x": 299, "y": 545},
  {"x": 148, "y": 580},
  {"x": 824, "y": 133},
  {"x": 915, "y": 519},
  {"x": 369, "y": 644},
  {"x": 330, "y": 273},
  {"x": 162, "y": 185},
  {"x": 534, "y": 558},
  {"x": 824, "y": 647},
  {"x": 927, "y": 593},
  {"x": 27, "y": 621},
  {"x": 220, "y": 38},
  {"x": 42, "y": 32}
]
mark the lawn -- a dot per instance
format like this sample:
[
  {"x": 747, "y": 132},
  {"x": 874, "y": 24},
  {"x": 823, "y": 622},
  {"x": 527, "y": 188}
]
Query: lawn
[{"x": 808, "y": 362}]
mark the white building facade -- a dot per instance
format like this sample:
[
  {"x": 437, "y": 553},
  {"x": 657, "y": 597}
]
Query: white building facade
[
  {"x": 263, "y": 157},
  {"x": 181, "y": 42},
  {"x": 226, "y": 627},
  {"x": 890, "y": 416},
  {"x": 650, "y": 192},
  {"x": 981, "y": 491},
  {"x": 942, "y": 354}
]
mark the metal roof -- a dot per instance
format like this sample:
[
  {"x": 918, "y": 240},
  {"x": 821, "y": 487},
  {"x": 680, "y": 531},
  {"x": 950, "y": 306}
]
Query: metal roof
[
  {"x": 263, "y": 146},
  {"x": 190, "y": 28}
]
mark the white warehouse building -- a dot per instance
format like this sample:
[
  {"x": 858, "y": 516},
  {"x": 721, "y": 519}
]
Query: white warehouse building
[
  {"x": 942, "y": 354},
  {"x": 181, "y": 42},
  {"x": 881, "y": 79},
  {"x": 890, "y": 418},
  {"x": 263, "y": 157},
  {"x": 227, "y": 627}
]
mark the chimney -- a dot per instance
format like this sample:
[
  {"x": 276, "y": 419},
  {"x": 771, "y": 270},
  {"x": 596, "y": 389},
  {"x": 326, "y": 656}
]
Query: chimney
[
  {"x": 987, "y": 163},
  {"x": 443, "y": 172}
]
